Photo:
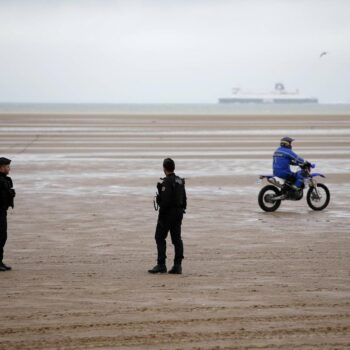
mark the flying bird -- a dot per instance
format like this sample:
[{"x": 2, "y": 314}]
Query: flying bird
[{"x": 324, "y": 53}]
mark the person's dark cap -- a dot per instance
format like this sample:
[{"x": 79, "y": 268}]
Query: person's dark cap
[
  {"x": 286, "y": 140},
  {"x": 4, "y": 161},
  {"x": 169, "y": 164}
]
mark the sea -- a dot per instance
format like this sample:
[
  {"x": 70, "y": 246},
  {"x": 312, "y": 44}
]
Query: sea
[{"x": 176, "y": 109}]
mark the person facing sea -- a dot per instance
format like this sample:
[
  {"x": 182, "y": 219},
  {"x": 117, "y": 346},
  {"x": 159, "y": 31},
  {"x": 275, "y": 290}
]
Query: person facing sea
[{"x": 172, "y": 201}]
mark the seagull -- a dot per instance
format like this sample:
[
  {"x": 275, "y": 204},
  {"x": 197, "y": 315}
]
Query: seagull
[{"x": 324, "y": 53}]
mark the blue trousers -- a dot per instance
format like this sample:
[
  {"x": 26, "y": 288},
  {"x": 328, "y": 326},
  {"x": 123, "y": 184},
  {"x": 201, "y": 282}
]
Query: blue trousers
[{"x": 297, "y": 178}]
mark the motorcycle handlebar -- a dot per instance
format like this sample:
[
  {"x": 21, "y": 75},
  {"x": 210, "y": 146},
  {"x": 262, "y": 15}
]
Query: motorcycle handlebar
[{"x": 307, "y": 165}]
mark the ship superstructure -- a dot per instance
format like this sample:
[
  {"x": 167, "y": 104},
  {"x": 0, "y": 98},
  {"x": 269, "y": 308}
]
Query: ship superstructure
[{"x": 278, "y": 95}]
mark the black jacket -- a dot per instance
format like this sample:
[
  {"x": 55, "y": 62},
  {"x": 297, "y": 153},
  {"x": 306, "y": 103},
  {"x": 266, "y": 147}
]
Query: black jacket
[
  {"x": 172, "y": 193},
  {"x": 7, "y": 193}
]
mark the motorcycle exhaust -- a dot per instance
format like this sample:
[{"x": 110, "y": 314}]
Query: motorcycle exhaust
[{"x": 279, "y": 198}]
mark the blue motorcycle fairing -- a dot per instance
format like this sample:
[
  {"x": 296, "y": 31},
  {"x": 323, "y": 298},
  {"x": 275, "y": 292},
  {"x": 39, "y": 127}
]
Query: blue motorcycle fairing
[{"x": 317, "y": 174}]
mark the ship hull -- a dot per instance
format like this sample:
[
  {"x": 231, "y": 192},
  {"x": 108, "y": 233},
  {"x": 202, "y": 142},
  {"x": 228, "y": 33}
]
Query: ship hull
[{"x": 230, "y": 100}]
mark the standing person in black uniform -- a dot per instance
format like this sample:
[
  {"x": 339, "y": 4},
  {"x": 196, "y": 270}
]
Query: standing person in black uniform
[
  {"x": 172, "y": 203},
  {"x": 7, "y": 194}
]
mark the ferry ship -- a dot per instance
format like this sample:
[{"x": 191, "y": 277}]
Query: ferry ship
[{"x": 278, "y": 95}]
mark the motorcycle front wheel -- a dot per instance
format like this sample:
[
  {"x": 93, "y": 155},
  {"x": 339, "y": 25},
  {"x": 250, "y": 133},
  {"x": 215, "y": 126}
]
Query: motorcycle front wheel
[
  {"x": 318, "y": 198},
  {"x": 266, "y": 196}
]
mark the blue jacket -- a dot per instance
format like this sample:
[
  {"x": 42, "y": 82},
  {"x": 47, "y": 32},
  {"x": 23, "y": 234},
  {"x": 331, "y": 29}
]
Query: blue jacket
[{"x": 283, "y": 158}]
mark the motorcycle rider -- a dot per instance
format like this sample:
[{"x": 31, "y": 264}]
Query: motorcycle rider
[{"x": 283, "y": 158}]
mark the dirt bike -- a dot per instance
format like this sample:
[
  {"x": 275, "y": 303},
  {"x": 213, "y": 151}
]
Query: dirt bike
[{"x": 271, "y": 196}]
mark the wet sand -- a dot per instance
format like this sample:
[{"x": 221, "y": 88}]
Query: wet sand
[{"x": 81, "y": 235}]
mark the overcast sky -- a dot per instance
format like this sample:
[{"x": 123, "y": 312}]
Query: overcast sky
[{"x": 158, "y": 51}]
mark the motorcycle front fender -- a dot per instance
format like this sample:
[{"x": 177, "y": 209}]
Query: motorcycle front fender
[{"x": 317, "y": 174}]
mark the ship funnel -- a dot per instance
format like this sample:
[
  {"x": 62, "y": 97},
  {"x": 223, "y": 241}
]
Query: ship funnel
[{"x": 279, "y": 87}]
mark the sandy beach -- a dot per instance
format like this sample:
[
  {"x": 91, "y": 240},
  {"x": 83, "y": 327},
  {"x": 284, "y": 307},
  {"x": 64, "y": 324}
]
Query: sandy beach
[{"x": 81, "y": 236}]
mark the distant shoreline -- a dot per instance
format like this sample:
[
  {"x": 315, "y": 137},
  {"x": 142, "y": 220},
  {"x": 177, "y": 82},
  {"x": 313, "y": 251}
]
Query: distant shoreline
[{"x": 173, "y": 109}]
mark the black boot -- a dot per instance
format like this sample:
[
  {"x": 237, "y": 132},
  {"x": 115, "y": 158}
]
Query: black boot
[
  {"x": 2, "y": 268},
  {"x": 176, "y": 270},
  {"x": 6, "y": 267},
  {"x": 158, "y": 269}
]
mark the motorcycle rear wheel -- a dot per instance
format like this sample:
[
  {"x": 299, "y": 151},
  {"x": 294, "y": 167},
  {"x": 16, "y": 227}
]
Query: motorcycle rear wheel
[
  {"x": 265, "y": 194},
  {"x": 313, "y": 199}
]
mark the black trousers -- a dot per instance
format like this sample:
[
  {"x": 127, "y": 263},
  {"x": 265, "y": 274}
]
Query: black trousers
[
  {"x": 3, "y": 232},
  {"x": 170, "y": 220}
]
